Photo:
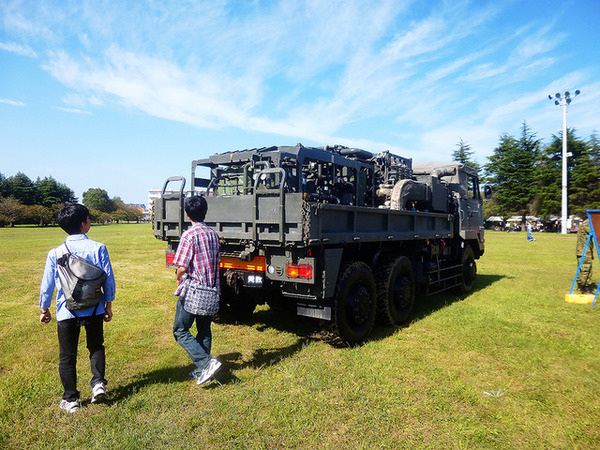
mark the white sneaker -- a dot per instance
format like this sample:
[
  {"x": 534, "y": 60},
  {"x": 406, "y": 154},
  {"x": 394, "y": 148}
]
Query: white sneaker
[
  {"x": 213, "y": 367},
  {"x": 69, "y": 407},
  {"x": 98, "y": 393}
]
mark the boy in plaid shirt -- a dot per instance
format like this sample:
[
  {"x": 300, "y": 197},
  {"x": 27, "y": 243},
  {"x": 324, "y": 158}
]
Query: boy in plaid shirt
[{"x": 197, "y": 257}]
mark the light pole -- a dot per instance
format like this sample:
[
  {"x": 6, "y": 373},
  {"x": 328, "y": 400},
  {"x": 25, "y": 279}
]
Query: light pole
[{"x": 564, "y": 100}]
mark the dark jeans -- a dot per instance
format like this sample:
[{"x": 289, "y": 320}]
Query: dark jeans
[
  {"x": 68, "y": 340},
  {"x": 197, "y": 347}
]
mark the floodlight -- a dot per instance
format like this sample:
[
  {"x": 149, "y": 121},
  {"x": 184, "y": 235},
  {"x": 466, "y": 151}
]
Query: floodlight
[{"x": 564, "y": 101}]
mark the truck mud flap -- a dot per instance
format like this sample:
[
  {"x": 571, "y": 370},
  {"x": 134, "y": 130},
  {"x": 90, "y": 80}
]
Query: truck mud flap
[{"x": 314, "y": 311}]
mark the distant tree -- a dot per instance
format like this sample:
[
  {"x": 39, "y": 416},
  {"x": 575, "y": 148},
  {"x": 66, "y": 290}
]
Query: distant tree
[
  {"x": 125, "y": 212},
  {"x": 490, "y": 208},
  {"x": 98, "y": 216},
  {"x": 580, "y": 175},
  {"x": 98, "y": 199},
  {"x": 49, "y": 192},
  {"x": 42, "y": 215},
  {"x": 21, "y": 188},
  {"x": 11, "y": 211},
  {"x": 66, "y": 194},
  {"x": 510, "y": 171},
  {"x": 3, "y": 186},
  {"x": 464, "y": 155}
]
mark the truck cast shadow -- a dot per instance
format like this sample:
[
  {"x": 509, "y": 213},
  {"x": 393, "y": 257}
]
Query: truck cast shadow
[
  {"x": 428, "y": 305},
  {"x": 314, "y": 330}
]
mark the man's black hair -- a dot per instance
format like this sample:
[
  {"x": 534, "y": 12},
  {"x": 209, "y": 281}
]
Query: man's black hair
[
  {"x": 71, "y": 216},
  {"x": 196, "y": 207}
]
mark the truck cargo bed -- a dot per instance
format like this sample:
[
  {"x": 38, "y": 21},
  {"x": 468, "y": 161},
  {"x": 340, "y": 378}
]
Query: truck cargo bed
[{"x": 291, "y": 220}]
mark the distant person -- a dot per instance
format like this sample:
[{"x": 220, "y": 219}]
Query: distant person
[
  {"x": 74, "y": 219},
  {"x": 198, "y": 258},
  {"x": 584, "y": 278},
  {"x": 530, "y": 232}
]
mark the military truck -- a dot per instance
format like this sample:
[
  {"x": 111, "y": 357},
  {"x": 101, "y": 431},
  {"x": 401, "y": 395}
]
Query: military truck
[{"x": 334, "y": 233}]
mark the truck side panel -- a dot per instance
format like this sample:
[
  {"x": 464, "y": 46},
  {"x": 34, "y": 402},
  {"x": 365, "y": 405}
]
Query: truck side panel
[
  {"x": 235, "y": 218},
  {"x": 340, "y": 223}
]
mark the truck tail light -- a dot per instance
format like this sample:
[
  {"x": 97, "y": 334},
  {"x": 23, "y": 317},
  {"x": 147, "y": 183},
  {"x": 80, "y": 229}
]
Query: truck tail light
[
  {"x": 298, "y": 271},
  {"x": 170, "y": 258}
]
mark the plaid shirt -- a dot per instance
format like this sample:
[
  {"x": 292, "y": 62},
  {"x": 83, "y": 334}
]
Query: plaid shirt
[{"x": 199, "y": 253}]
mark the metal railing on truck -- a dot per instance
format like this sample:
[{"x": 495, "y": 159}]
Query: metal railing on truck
[{"x": 169, "y": 211}]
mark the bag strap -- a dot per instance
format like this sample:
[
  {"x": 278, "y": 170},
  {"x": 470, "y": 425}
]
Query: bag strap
[{"x": 61, "y": 251}]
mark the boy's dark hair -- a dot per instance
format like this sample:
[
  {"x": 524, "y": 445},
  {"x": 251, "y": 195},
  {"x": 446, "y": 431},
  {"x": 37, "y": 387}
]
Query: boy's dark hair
[
  {"x": 196, "y": 207},
  {"x": 71, "y": 216}
]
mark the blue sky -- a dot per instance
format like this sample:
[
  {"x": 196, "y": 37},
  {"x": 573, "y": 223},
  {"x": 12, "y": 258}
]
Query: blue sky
[{"x": 123, "y": 94}]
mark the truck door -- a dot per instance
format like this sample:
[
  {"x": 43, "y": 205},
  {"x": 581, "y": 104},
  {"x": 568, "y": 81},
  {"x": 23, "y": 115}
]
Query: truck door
[{"x": 472, "y": 214}]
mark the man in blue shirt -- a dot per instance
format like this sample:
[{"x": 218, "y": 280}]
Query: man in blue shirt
[{"x": 75, "y": 220}]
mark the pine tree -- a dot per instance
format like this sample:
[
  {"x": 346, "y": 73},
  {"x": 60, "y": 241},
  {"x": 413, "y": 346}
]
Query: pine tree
[
  {"x": 580, "y": 174},
  {"x": 511, "y": 172},
  {"x": 21, "y": 188},
  {"x": 49, "y": 192},
  {"x": 463, "y": 155}
]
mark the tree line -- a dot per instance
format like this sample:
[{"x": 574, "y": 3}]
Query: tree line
[
  {"x": 23, "y": 201},
  {"x": 526, "y": 176}
]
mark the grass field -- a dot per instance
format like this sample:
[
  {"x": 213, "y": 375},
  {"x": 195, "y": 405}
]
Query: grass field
[{"x": 509, "y": 366}]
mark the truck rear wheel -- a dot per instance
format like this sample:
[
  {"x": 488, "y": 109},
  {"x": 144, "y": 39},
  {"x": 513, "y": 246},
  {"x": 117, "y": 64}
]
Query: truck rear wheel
[
  {"x": 395, "y": 291},
  {"x": 468, "y": 268},
  {"x": 354, "y": 306}
]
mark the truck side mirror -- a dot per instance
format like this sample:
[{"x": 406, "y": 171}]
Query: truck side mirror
[{"x": 487, "y": 192}]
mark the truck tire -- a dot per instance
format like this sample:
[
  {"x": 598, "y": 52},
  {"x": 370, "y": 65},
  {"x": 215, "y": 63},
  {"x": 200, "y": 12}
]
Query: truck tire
[
  {"x": 468, "y": 270},
  {"x": 395, "y": 291},
  {"x": 355, "y": 305}
]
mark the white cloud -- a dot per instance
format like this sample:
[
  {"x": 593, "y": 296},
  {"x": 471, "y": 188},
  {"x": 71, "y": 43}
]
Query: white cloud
[
  {"x": 18, "y": 49},
  {"x": 72, "y": 110},
  {"x": 12, "y": 102}
]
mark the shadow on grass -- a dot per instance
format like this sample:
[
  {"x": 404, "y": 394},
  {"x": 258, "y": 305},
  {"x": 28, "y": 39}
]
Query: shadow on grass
[
  {"x": 160, "y": 376},
  {"x": 308, "y": 329},
  {"x": 262, "y": 357},
  {"x": 425, "y": 306},
  {"x": 169, "y": 375}
]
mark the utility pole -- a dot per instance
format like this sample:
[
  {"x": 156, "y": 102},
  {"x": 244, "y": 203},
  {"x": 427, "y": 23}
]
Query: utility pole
[{"x": 564, "y": 100}]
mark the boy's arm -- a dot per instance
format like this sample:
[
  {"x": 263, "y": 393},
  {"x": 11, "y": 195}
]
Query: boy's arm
[
  {"x": 47, "y": 287},
  {"x": 180, "y": 272},
  {"x": 183, "y": 257},
  {"x": 108, "y": 314},
  {"x": 109, "y": 286}
]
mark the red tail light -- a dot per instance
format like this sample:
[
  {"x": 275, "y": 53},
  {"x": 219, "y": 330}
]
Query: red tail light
[
  {"x": 298, "y": 271},
  {"x": 170, "y": 258}
]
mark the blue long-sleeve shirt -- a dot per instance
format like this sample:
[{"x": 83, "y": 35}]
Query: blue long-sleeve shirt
[{"x": 94, "y": 252}]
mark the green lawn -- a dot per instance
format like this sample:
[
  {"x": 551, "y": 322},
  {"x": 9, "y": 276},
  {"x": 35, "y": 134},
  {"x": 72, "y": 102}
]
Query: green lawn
[{"x": 510, "y": 366}]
